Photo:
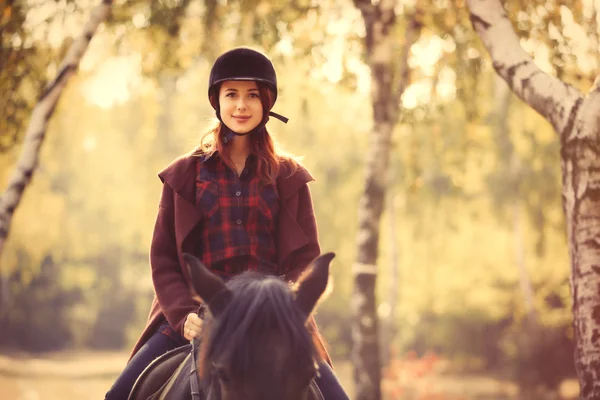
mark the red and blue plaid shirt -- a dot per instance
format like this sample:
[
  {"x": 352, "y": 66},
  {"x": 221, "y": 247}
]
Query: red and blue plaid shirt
[{"x": 239, "y": 220}]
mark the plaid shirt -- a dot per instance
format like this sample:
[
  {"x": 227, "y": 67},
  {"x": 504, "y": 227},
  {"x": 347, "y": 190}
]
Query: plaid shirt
[
  {"x": 240, "y": 215},
  {"x": 238, "y": 227}
]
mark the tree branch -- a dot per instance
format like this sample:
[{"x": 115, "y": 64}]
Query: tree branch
[
  {"x": 552, "y": 98},
  {"x": 596, "y": 86},
  {"x": 413, "y": 31},
  {"x": 363, "y": 4},
  {"x": 36, "y": 131}
]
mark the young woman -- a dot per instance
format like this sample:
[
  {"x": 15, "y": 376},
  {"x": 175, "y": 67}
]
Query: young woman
[{"x": 237, "y": 204}]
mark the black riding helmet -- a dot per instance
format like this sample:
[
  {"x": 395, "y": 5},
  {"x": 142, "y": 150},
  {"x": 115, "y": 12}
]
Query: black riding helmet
[{"x": 242, "y": 64}]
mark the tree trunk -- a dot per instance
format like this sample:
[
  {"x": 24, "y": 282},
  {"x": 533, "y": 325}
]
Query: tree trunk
[
  {"x": 524, "y": 279},
  {"x": 367, "y": 372},
  {"x": 166, "y": 140},
  {"x": 211, "y": 46},
  {"x": 510, "y": 162},
  {"x": 389, "y": 326},
  {"x": 36, "y": 131},
  {"x": 387, "y": 88},
  {"x": 574, "y": 117},
  {"x": 245, "y": 30}
]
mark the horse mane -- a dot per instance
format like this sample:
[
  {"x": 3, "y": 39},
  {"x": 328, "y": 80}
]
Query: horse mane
[{"x": 262, "y": 312}]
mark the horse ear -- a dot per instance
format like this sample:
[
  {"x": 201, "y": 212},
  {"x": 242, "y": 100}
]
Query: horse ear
[
  {"x": 313, "y": 283},
  {"x": 208, "y": 286}
]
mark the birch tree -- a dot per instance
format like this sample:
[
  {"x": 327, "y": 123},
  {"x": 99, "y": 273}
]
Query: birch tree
[
  {"x": 38, "y": 124},
  {"x": 389, "y": 79},
  {"x": 575, "y": 118}
]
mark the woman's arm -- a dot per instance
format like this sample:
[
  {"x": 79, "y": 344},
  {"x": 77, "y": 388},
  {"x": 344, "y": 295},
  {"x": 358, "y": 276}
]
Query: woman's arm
[{"x": 172, "y": 291}]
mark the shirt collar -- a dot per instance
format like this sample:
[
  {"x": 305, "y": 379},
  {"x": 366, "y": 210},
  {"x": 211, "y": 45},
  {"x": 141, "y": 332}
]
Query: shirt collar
[
  {"x": 213, "y": 156},
  {"x": 210, "y": 156}
]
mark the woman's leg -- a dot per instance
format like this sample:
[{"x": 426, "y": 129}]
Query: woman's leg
[
  {"x": 156, "y": 346},
  {"x": 328, "y": 383}
]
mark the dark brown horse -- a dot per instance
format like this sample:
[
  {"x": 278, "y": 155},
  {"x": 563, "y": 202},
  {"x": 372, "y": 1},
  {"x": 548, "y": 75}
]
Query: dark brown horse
[{"x": 255, "y": 344}]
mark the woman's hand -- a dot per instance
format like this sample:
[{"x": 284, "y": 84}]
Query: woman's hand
[{"x": 191, "y": 327}]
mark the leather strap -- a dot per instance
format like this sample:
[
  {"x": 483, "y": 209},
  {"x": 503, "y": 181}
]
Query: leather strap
[{"x": 194, "y": 379}]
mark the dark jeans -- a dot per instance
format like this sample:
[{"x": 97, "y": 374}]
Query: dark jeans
[
  {"x": 159, "y": 344},
  {"x": 156, "y": 346}
]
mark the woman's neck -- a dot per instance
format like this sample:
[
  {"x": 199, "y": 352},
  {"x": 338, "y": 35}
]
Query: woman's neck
[{"x": 240, "y": 148}]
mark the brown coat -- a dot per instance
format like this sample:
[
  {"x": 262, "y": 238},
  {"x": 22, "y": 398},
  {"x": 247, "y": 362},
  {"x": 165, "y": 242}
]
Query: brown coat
[{"x": 297, "y": 240}]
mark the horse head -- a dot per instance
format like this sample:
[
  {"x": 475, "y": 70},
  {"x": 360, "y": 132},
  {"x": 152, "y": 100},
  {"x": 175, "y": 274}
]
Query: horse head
[{"x": 255, "y": 344}]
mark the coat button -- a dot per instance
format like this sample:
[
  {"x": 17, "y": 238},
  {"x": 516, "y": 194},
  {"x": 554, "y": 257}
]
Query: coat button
[
  {"x": 238, "y": 193},
  {"x": 239, "y": 221}
]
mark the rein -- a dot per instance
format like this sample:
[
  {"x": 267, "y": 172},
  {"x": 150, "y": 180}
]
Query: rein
[{"x": 194, "y": 379}]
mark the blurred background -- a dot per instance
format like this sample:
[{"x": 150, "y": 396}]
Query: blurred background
[{"x": 472, "y": 242}]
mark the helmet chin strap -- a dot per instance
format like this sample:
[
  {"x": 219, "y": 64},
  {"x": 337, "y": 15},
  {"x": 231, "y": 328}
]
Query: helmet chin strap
[{"x": 229, "y": 134}]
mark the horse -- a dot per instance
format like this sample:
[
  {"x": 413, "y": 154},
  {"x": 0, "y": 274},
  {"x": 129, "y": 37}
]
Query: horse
[{"x": 254, "y": 343}]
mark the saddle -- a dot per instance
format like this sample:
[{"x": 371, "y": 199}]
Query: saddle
[
  {"x": 173, "y": 376},
  {"x": 168, "y": 375}
]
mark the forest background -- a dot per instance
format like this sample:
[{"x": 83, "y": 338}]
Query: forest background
[{"x": 472, "y": 242}]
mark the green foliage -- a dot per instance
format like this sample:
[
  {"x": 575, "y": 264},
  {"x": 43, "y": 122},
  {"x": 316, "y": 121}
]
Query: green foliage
[
  {"x": 34, "y": 312},
  {"x": 21, "y": 73}
]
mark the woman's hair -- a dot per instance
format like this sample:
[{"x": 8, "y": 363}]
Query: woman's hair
[{"x": 262, "y": 145}]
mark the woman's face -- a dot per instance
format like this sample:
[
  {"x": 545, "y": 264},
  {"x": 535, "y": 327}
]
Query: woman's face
[{"x": 240, "y": 105}]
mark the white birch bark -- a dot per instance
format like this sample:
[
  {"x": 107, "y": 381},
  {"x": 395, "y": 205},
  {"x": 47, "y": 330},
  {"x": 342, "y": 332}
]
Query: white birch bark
[
  {"x": 386, "y": 90},
  {"x": 389, "y": 324},
  {"x": 576, "y": 119},
  {"x": 36, "y": 130}
]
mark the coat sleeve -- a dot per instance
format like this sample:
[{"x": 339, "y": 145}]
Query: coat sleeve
[
  {"x": 308, "y": 223},
  {"x": 173, "y": 293}
]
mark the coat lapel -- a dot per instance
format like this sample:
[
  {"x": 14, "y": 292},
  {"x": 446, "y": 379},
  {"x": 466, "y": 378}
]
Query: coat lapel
[
  {"x": 288, "y": 184},
  {"x": 181, "y": 176},
  {"x": 186, "y": 218},
  {"x": 290, "y": 236}
]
